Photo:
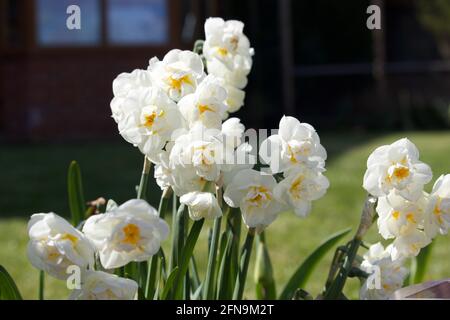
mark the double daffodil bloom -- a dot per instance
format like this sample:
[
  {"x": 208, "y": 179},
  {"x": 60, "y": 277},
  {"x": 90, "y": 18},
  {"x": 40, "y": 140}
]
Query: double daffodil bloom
[
  {"x": 130, "y": 232},
  {"x": 99, "y": 285},
  {"x": 55, "y": 245}
]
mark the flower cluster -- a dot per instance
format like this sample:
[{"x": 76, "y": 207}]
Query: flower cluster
[
  {"x": 173, "y": 112},
  {"x": 388, "y": 274},
  {"x": 130, "y": 232},
  {"x": 406, "y": 213}
]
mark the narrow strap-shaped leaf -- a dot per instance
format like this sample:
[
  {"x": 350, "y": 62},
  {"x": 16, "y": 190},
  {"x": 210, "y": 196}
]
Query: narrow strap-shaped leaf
[
  {"x": 195, "y": 278},
  {"x": 234, "y": 224},
  {"x": 209, "y": 288},
  {"x": 421, "y": 264},
  {"x": 8, "y": 288},
  {"x": 169, "y": 283},
  {"x": 303, "y": 272},
  {"x": 223, "y": 288},
  {"x": 186, "y": 256},
  {"x": 243, "y": 265},
  {"x": 41, "y": 285},
  {"x": 265, "y": 283},
  {"x": 77, "y": 203}
]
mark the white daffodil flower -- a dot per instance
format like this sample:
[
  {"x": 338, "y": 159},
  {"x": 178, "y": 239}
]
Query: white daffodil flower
[
  {"x": 130, "y": 232},
  {"x": 227, "y": 51},
  {"x": 182, "y": 179},
  {"x": 409, "y": 245},
  {"x": 386, "y": 275},
  {"x": 437, "y": 219},
  {"x": 178, "y": 74},
  {"x": 201, "y": 205},
  {"x": 398, "y": 216},
  {"x": 225, "y": 40},
  {"x": 206, "y": 105},
  {"x": 99, "y": 285},
  {"x": 296, "y": 144},
  {"x": 203, "y": 150},
  {"x": 55, "y": 245},
  {"x": 300, "y": 188},
  {"x": 151, "y": 120},
  {"x": 253, "y": 192},
  {"x": 396, "y": 167},
  {"x": 123, "y": 85}
]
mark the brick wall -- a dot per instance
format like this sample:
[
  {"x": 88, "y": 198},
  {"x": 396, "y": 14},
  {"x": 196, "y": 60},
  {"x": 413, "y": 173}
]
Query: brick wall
[{"x": 54, "y": 96}]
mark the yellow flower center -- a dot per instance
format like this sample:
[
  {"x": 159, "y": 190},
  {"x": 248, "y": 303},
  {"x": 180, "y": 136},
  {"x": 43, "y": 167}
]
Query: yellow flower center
[
  {"x": 438, "y": 212},
  {"x": 222, "y": 51},
  {"x": 150, "y": 118},
  {"x": 132, "y": 234},
  {"x": 401, "y": 173},
  {"x": 177, "y": 83},
  {"x": 259, "y": 195},
  {"x": 202, "y": 108},
  {"x": 410, "y": 217},
  {"x": 396, "y": 215},
  {"x": 70, "y": 237},
  {"x": 296, "y": 187}
]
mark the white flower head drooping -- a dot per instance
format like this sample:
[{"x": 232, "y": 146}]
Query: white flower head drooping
[
  {"x": 55, "y": 245},
  {"x": 253, "y": 192},
  {"x": 206, "y": 105},
  {"x": 386, "y": 275},
  {"x": 300, "y": 188},
  {"x": 178, "y": 74},
  {"x": 130, "y": 232},
  {"x": 151, "y": 120},
  {"x": 396, "y": 167},
  {"x": 124, "y": 84},
  {"x": 437, "y": 219},
  {"x": 99, "y": 285},
  {"x": 296, "y": 144},
  {"x": 201, "y": 205}
]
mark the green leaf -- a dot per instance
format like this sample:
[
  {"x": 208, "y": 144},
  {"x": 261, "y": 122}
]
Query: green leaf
[
  {"x": 302, "y": 274},
  {"x": 421, "y": 264},
  {"x": 169, "y": 283},
  {"x": 210, "y": 283},
  {"x": 243, "y": 265},
  {"x": 8, "y": 288},
  {"x": 223, "y": 288},
  {"x": 77, "y": 203},
  {"x": 265, "y": 283},
  {"x": 187, "y": 251}
]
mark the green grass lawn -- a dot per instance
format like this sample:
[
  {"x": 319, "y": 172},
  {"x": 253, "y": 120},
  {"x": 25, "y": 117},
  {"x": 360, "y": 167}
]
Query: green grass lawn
[{"x": 33, "y": 179}]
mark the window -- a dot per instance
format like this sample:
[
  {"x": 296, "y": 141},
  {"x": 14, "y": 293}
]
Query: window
[
  {"x": 51, "y": 19},
  {"x": 137, "y": 22},
  {"x": 126, "y": 22}
]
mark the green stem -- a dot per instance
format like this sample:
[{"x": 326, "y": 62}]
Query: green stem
[
  {"x": 41, "y": 285},
  {"x": 186, "y": 257},
  {"x": 154, "y": 261},
  {"x": 208, "y": 292},
  {"x": 143, "y": 184},
  {"x": 335, "y": 289},
  {"x": 245, "y": 259}
]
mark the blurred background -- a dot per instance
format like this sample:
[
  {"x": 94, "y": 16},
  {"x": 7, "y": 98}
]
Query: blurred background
[{"x": 314, "y": 59}]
